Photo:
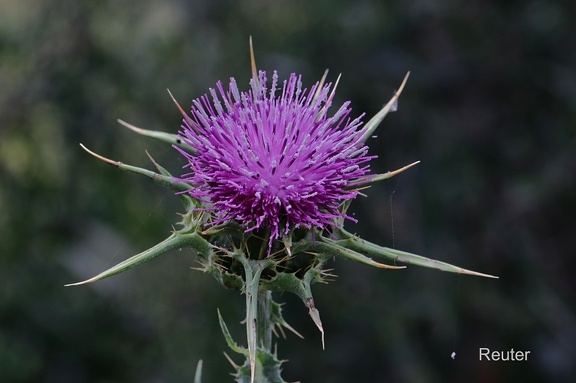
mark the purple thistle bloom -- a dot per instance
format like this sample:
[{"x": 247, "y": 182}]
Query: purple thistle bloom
[{"x": 274, "y": 160}]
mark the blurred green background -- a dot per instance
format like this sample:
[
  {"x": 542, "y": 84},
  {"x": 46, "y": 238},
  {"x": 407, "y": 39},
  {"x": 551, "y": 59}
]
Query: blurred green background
[{"x": 490, "y": 110}]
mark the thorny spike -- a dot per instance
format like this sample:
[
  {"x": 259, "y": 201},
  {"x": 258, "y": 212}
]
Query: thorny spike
[
  {"x": 131, "y": 127},
  {"x": 315, "y": 315},
  {"x": 101, "y": 158},
  {"x": 276, "y": 332},
  {"x": 156, "y": 164},
  {"x": 279, "y": 322},
  {"x": 399, "y": 91},
  {"x": 390, "y": 106},
  {"x": 188, "y": 119},
  {"x": 198, "y": 374},
  {"x": 231, "y": 361},
  {"x": 395, "y": 172},
  {"x": 291, "y": 329},
  {"x": 164, "y": 179},
  {"x": 253, "y": 62},
  {"x": 320, "y": 85},
  {"x": 287, "y": 240},
  {"x": 330, "y": 97},
  {"x": 173, "y": 139},
  {"x": 384, "y": 176},
  {"x": 334, "y": 88}
]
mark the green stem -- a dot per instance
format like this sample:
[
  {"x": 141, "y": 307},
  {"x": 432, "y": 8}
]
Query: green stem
[
  {"x": 264, "y": 321},
  {"x": 264, "y": 366}
]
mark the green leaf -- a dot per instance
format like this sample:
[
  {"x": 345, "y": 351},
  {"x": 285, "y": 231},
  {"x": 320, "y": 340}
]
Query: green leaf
[
  {"x": 175, "y": 241},
  {"x": 228, "y": 337},
  {"x": 302, "y": 288}
]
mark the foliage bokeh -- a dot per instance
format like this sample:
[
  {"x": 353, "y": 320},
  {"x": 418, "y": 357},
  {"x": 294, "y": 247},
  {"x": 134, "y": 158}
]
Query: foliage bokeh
[{"x": 489, "y": 110}]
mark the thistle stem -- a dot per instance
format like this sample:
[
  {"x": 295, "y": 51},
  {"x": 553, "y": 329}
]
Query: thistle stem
[
  {"x": 264, "y": 321},
  {"x": 259, "y": 324}
]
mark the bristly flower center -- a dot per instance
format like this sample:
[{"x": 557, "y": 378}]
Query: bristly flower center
[{"x": 273, "y": 161}]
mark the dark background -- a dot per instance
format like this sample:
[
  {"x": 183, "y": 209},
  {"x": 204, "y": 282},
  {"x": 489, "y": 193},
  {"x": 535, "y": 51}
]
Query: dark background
[{"x": 489, "y": 110}]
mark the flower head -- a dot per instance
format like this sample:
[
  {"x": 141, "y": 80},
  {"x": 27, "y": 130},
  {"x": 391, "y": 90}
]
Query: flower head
[{"x": 273, "y": 158}]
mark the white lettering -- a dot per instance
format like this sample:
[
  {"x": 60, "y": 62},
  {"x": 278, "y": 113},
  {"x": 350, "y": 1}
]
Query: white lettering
[{"x": 502, "y": 356}]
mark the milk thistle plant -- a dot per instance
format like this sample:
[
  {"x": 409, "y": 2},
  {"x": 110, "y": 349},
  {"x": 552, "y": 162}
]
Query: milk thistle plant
[{"x": 270, "y": 174}]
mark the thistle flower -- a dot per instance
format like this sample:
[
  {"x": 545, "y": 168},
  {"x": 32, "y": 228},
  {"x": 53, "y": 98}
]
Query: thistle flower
[{"x": 274, "y": 159}]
